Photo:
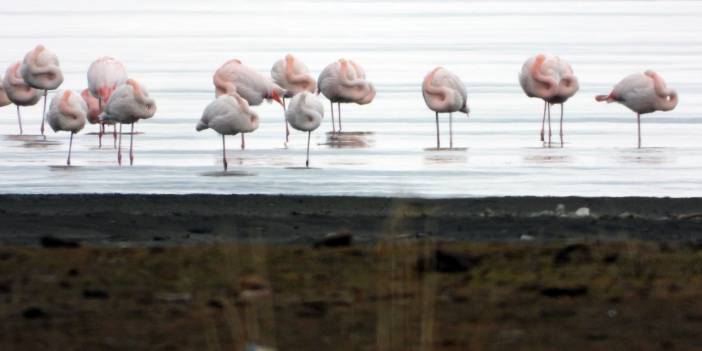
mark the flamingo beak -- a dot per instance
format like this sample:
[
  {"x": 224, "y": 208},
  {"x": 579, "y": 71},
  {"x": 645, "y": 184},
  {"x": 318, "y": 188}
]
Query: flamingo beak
[{"x": 275, "y": 96}]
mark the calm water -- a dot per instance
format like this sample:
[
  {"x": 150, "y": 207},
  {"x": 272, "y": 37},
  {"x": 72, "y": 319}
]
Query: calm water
[{"x": 173, "y": 47}]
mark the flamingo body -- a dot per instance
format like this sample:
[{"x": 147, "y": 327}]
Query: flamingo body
[
  {"x": 305, "y": 112},
  {"x": 345, "y": 81},
  {"x": 105, "y": 75},
  {"x": 129, "y": 104},
  {"x": 40, "y": 69},
  {"x": 93, "y": 105},
  {"x": 4, "y": 100},
  {"x": 233, "y": 77},
  {"x": 18, "y": 91},
  {"x": 67, "y": 112},
  {"x": 228, "y": 115},
  {"x": 292, "y": 75},
  {"x": 444, "y": 92}
]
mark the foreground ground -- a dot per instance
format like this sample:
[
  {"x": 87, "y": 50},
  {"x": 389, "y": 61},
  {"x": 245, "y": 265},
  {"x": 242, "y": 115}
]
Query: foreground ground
[
  {"x": 220, "y": 273},
  {"x": 399, "y": 294}
]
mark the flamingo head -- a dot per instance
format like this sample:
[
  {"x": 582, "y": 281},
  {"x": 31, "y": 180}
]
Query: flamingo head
[{"x": 104, "y": 94}]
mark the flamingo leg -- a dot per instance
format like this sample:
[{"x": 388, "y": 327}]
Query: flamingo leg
[
  {"x": 131, "y": 147},
  {"x": 119, "y": 146},
  {"x": 561, "y": 127},
  {"x": 438, "y": 141},
  {"x": 285, "y": 120},
  {"x": 46, "y": 92},
  {"x": 114, "y": 135},
  {"x": 450, "y": 130},
  {"x": 332, "y": 113},
  {"x": 338, "y": 115},
  {"x": 102, "y": 124},
  {"x": 307, "y": 162},
  {"x": 19, "y": 119},
  {"x": 243, "y": 143},
  {"x": 549, "y": 125},
  {"x": 224, "y": 153},
  {"x": 70, "y": 147},
  {"x": 638, "y": 122},
  {"x": 101, "y": 131},
  {"x": 543, "y": 121}
]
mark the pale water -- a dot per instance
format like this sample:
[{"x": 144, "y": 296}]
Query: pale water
[{"x": 173, "y": 47}]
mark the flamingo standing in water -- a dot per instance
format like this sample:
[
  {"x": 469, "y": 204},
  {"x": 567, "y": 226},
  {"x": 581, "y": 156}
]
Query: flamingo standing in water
[
  {"x": 292, "y": 75},
  {"x": 444, "y": 92},
  {"x": 40, "y": 69},
  {"x": 642, "y": 93},
  {"x": 305, "y": 114},
  {"x": 345, "y": 81},
  {"x": 550, "y": 79},
  {"x": 18, "y": 91},
  {"x": 128, "y": 104},
  {"x": 228, "y": 115},
  {"x": 67, "y": 112},
  {"x": 104, "y": 76},
  {"x": 235, "y": 78}
]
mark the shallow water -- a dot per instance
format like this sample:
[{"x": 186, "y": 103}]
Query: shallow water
[{"x": 173, "y": 47}]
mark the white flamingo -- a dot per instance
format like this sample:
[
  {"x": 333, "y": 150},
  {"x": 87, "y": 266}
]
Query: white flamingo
[
  {"x": 40, "y": 69},
  {"x": 67, "y": 112},
  {"x": 444, "y": 92},
  {"x": 345, "y": 81},
  {"x": 642, "y": 93},
  {"x": 228, "y": 115},
  {"x": 305, "y": 114},
  {"x": 552, "y": 80},
  {"x": 128, "y": 104}
]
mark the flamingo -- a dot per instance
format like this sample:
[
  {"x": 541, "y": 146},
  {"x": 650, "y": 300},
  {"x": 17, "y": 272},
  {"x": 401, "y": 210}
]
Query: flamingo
[
  {"x": 93, "y": 106},
  {"x": 40, "y": 69},
  {"x": 67, "y": 112},
  {"x": 345, "y": 81},
  {"x": 18, "y": 91},
  {"x": 444, "y": 92},
  {"x": 235, "y": 78},
  {"x": 129, "y": 103},
  {"x": 228, "y": 115},
  {"x": 551, "y": 79},
  {"x": 292, "y": 75},
  {"x": 642, "y": 93},
  {"x": 305, "y": 114},
  {"x": 104, "y": 76},
  {"x": 4, "y": 100}
]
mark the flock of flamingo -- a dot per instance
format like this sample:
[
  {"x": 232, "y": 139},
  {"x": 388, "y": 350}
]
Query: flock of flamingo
[{"x": 113, "y": 98}]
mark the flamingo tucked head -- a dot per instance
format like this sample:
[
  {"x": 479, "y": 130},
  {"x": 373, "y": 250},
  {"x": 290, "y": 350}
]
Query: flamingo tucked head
[
  {"x": 93, "y": 106},
  {"x": 667, "y": 97},
  {"x": 546, "y": 86}
]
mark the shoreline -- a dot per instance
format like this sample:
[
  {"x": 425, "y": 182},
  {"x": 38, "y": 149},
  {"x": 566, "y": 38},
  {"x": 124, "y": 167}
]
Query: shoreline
[{"x": 145, "y": 220}]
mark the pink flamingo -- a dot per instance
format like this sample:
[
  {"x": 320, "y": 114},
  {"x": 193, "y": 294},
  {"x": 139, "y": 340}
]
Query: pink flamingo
[
  {"x": 292, "y": 75},
  {"x": 128, "y": 104},
  {"x": 642, "y": 93},
  {"x": 67, "y": 112},
  {"x": 93, "y": 105},
  {"x": 345, "y": 81},
  {"x": 228, "y": 115},
  {"x": 234, "y": 78},
  {"x": 40, "y": 69},
  {"x": 18, "y": 91},
  {"x": 104, "y": 76},
  {"x": 444, "y": 92},
  {"x": 550, "y": 79},
  {"x": 305, "y": 114}
]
